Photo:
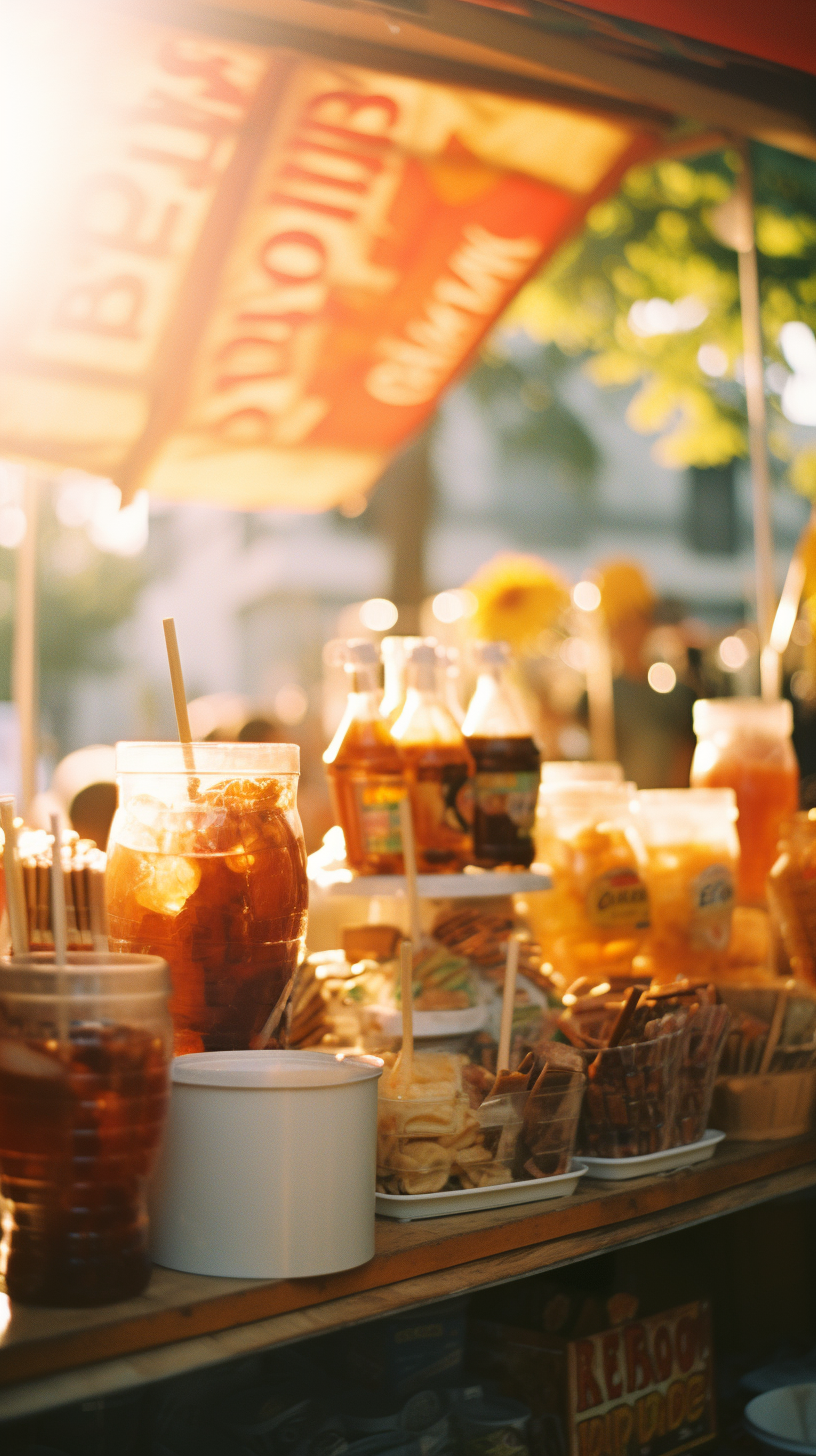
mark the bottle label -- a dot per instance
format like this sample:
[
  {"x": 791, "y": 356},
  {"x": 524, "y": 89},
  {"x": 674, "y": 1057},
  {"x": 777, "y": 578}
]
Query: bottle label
[
  {"x": 712, "y": 898},
  {"x": 378, "y": 802},
  {"x": 446, "y": 794},
  {"x": 618, "y": 899},
  {"x": 508, "y": 795}
]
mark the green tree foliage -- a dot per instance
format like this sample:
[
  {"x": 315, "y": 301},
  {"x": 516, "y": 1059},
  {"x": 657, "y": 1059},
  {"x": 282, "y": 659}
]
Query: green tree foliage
[
  {"x": 654, "y": 240},
  {"x": 521, "y": 392},
  {"x": 83, "y": 593}
]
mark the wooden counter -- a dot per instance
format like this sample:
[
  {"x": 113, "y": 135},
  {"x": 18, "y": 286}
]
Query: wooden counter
[{"x": 185, "y": 1321}]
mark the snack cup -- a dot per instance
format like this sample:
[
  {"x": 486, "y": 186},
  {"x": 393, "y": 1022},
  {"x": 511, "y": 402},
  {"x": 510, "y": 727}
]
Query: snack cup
[
  {"x": 420, "y": 1138},
  {"x": 631, "y": 1098},
  {"x": 550, "y": 1130},
  {"x": 703, "y": 1039}
]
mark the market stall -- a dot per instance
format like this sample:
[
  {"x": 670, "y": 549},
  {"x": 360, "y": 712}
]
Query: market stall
[{"x": 271, "y": 244}]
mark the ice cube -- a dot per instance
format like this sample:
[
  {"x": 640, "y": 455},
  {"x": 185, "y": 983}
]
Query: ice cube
[
  {"x": 166, "y": 882},
  {"x": 19, "y": 1060}
]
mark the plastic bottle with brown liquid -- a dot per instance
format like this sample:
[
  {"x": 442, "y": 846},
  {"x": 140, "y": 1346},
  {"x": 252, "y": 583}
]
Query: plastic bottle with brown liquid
[
  {"x": 438, "y": 769},
  {"x": 365, "y": 774},
  {"x": 499, "y": 735}
]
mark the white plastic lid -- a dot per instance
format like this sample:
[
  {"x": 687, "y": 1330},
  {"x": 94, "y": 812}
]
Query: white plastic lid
[
  {"x": 564, "y": 771},
  {"x": 491, "y": 654},
  {"x": 255, "y": 760},
  {"x": 742, "y": 715},
  {"x": 274, "y": 1070},
  {"x": 361, "y": 652},
  {"x": 666, "y": 815}
]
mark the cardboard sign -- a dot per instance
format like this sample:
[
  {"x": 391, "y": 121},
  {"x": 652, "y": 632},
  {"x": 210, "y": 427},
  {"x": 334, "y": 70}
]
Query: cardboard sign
[{"x": 644, "y": 1388}]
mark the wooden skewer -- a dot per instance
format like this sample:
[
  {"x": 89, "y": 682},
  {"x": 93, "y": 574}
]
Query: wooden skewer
[
  {"x": 774, "y": 1031},
  {"x": 15, "y": 891},
  {"x": 409, "y": 862},
  {"x": 404, "y": 1066},
  {"x": 508, "y": 1001},
  {"x": 59, "y": 927}
]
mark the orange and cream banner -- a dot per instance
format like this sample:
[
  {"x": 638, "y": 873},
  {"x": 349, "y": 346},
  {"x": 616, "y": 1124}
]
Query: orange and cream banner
[{"x": 244, "y": 275}]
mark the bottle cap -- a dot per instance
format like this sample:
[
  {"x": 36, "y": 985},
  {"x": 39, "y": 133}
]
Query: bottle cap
[
  {"x": 361, "y": 652},
  {"x": 492, "y": 654}
]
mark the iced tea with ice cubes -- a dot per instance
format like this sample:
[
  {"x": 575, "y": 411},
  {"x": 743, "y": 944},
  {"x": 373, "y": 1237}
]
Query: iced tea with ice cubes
[
  {"x": 208, "y": 870},
  {"x": 83, "y": 1097}
]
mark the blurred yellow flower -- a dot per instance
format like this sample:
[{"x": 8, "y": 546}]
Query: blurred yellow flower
[
  {"x": 518, "y": 596},
  {"x": 625, "y": 589}
]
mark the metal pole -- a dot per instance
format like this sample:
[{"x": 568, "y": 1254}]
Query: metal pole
[
  {"x": 757, "y": 429},
  {"x": 24, "y": 651}
]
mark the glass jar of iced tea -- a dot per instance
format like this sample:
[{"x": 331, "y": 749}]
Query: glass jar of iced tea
[
  {"x": 207, "y": 868},
  {"x": 692, "y": 860},
  {"x": 744, "y": 744},
  {"x": 84, "y": 1062}
]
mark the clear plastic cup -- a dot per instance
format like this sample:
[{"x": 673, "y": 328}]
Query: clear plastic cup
[
  {"x": 207, "y": 868},
  {"x": 630, "y": 1106},
  {"x": 84, "y": 1061}
]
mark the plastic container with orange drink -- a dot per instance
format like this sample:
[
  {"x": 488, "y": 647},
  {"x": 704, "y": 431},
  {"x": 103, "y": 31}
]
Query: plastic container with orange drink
[
  {"x": 692, "y": 861},
  {"x": 744, "y": 744}
]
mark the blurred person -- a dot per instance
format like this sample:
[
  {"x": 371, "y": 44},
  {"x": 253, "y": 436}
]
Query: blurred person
[
  {"x": 82, "y": 792},
  {"x": 653, "y": 729}
]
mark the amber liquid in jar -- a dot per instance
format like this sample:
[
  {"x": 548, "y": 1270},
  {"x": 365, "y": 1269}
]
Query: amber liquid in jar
[
  {"x": 217, "y": 887},
  {"x": 767, "y": 793},
  {"x": 80, "y": 1126}
]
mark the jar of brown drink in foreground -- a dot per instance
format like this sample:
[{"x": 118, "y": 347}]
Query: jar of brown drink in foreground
[
  {"x": 365, "y": 771},
  {"x": 744, "y": 744},
  {"x": 207, "y": 868},
  {"x": 437, "y": 766},
  {"x": 84, "y": 1061},
  {"x": 507, "y": 761}
]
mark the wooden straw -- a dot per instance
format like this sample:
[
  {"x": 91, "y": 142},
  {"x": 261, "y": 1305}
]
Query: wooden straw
[
  {"x": 406, "y": 1057},
  {"x": 96, "y": 911},
  {"x": 774, "y": 1031},
  {"x": 179, "y": 695},
  {"x": 508, "y": 1002},
  {"x": 59, "y": 927},
  {"x": 409, "y": 861},
  {"x": 15, "y": 892}
]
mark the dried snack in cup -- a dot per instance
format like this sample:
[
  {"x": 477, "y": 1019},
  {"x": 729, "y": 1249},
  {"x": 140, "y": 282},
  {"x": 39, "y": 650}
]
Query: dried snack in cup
[
  {"x": 704, "y": 1037},
  {"x": 550, "y": 1122},
  {"x": 630, "y": 1103}
]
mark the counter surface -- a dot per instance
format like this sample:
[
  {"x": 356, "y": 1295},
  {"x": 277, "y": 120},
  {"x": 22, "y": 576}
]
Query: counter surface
[{"x": 186, "y": 1321}]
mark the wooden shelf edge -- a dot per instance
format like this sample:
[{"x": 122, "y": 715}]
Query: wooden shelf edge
[{"x": 34, "y": 1391}]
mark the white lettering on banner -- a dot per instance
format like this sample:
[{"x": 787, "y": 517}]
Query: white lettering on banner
[
  {"x": 321, "y": 187},
  {"x": 479, "y": 277},
  {"x": 135, "y": 217}
]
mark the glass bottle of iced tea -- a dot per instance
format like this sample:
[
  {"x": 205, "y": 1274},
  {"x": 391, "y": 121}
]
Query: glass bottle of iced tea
[
  {"x": 438, "y": 769},
  {"x": 507, "y": 761},
  {"x": 365, "y": 771},
  {"x": 207, "y": 868},
  {"x": 744, "y": 744}
]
